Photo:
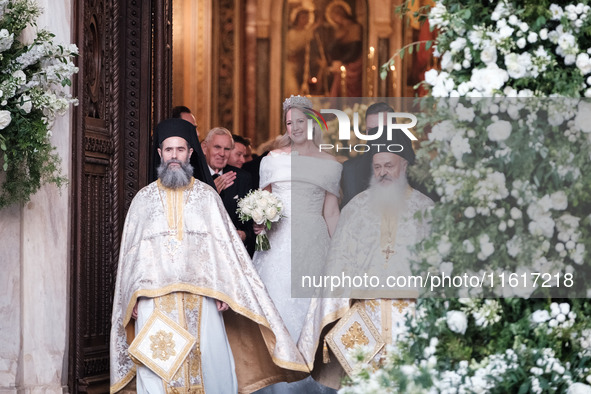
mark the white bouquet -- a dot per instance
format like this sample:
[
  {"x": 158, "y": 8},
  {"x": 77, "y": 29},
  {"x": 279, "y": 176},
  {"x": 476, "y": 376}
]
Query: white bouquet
[{"x": 263, "y": 207}]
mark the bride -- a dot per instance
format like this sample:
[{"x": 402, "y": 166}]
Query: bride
[{"x": 307, "y": 182}]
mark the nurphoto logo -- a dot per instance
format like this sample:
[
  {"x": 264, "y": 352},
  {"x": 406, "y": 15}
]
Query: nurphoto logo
[{"x": 345, "y": 128}]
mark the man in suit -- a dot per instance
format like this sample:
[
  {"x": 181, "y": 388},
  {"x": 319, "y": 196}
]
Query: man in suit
[
  {"x": 232, "y": 183},
  {"x": 357, "y": 171}
]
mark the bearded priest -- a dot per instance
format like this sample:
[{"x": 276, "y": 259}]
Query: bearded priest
[
  {"x": 181, "y": 256},
  {"x": 373, "y": 239}
]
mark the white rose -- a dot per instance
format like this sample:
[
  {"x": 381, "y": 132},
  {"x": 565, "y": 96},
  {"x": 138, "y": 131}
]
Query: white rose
[
  {"x": 544, "y": 34},
  {"x": 257, "y": 216},
  {"x": 489, "y": 79},
  {"x": 505, "y": 32},
  {"x": 5, "y": 119},
  {"x": 457, "y": 321},
  {"x": 517, "y": 65},
  {"x": 431, "y": 77},
  {"x": 515, "y": 213},
  {"x": 486, "y": 247},
  {"x": 556, "y": 12},
  {"x": 271, "y": 214},
  {"x": 468, "y": 246},
  {"x": 499, "y": 130},
  {"x": 20, "y": 77},
  {"x": 579, "y": 388},
  {"x": 246, "y": 211},
  {"x": 559, "y": 200},
  {"x": 27, "y": 105},
  {"x": 465, "y": 114},
  {"x": 446, "y": 268},
  {"x": 583, "y": 63},
  {"x": 489, "y": 53},
  {"x": 583, "y": 117},
  {"x": 465, "y": 87},
  {"x": 540, "y": 316},
  {"x": 446, "y": 61},
  {"x": 564, "y": 308},
  {"x": 532, "y": 37},
  {"x": 263, "y": 203},
  {"x": 457, "y": 45},
  {"x": 469, "y": 212},
  {"x": 569, "y": 60}
]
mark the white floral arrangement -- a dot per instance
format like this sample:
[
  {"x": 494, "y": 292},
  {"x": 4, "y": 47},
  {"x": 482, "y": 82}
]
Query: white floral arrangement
[
  {"x": 262, "y": 207},
  {"x": 486, "y": 346},
  {"x": 509, "y": 173},
  {"x": 508, "y": 161},
  {"x": 34, "y": 76},
  {"x": 514, "y": 49}
]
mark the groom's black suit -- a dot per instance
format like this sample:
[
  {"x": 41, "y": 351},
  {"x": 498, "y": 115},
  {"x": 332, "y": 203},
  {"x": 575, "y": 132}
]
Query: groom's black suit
[
  {"x": 357, "y": 172},
  {"x": 230, "y": 196}
]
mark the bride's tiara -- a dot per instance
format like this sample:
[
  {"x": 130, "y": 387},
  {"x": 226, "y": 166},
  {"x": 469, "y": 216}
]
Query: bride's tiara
[{"x": 296, "y": 101}]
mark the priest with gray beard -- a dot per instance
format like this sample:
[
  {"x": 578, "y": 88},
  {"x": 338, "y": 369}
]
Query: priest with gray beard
[
  {"x": 181, "y": 256},
  {"x": 375, "y": 236}
]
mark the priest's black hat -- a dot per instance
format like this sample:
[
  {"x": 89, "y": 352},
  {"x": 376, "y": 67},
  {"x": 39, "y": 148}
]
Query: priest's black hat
[
  {"x": 400, "y": 144},
  {"x": 176, "y": 127}
]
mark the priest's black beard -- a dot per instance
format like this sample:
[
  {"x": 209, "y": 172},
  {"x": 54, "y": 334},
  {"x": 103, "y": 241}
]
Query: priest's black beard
[{"x": 175, "y": 177}]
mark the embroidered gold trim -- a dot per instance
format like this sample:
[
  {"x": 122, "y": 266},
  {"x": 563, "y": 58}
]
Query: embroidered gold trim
[
  {"x": 259, "y": 319},
  {"x": 358, "y": 319},
  {"x": 143, "y": 341}
]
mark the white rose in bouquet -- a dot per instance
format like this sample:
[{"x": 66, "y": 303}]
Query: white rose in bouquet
[
  {"x": 258, "y": 215},
  {"x": 262, "y": 207}
]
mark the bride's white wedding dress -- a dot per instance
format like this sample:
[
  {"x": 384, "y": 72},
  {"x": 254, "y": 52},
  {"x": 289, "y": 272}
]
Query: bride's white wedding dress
[{"x": 301, "y": 182}]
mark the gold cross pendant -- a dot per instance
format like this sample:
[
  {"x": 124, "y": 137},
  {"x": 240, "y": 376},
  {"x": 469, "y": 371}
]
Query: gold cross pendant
[{"x": 388, "y": 251}]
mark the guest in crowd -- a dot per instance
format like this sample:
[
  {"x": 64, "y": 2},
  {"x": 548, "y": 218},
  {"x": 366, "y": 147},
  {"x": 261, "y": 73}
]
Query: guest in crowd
[
  {"x": 238, "y": 153},
  {"x": 249, "y": 156},
  {"x": 182, "y": 112},
  {"x": 231, "y": 183},
  {"x": 172, "y": 261}
]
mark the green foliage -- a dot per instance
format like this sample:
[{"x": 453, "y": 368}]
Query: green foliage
[
  {"x": 32, "y": 77},
  {"x": 29, "y": 160}
]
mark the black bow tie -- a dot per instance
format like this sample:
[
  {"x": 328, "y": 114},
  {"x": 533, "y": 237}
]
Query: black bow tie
[{"x": 214, "y": 176}]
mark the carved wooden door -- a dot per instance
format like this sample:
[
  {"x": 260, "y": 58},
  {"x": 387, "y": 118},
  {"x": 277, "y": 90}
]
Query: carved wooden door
[{"x": 124, "y": 88}]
